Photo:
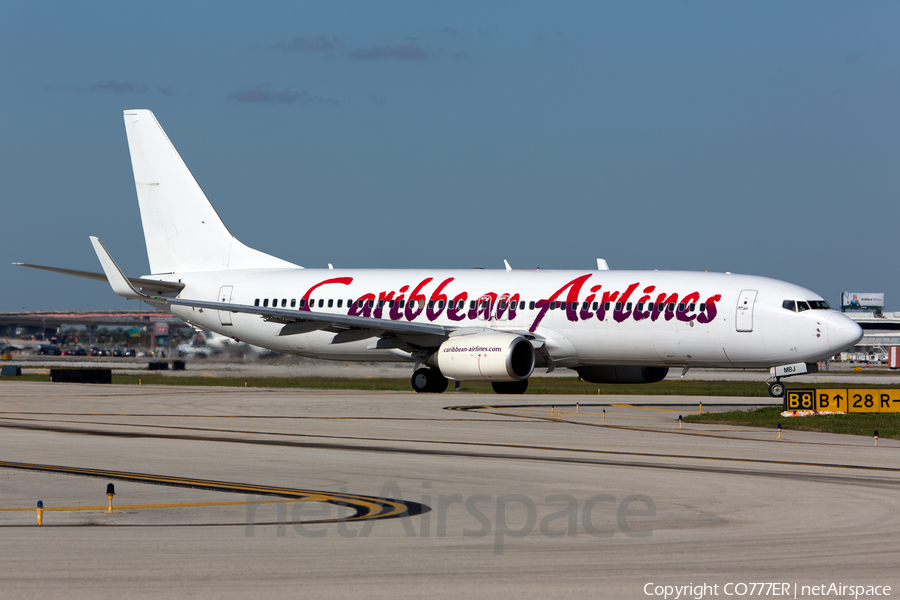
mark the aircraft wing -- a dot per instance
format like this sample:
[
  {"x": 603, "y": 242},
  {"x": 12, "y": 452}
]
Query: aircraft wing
[
  {"x": 321, "y": 320},
  {"x": 393, "y": 334}
]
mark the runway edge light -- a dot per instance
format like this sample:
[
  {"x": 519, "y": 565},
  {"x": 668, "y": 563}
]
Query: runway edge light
[
  {"x": 40, "y": 512},
  {"x": 779, "y": 431},
  {"x": 110, "y": 492},
  {"x": 679, "y": 421},
  {"x": 876, "y": 437}
]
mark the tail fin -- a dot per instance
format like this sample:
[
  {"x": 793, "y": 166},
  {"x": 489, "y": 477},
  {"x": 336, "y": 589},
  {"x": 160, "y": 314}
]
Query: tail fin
[{"x": 181, "y": 228}]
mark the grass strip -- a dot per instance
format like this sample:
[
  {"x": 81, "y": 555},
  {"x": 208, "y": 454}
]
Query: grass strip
[
  {"x": 887, "y": 424},
  {"x": 536, "y": 385}
]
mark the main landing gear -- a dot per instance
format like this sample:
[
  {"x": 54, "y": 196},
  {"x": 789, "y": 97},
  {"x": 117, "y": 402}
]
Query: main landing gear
[
  {"x": 432, "y": 381},
  {"x": 429, "y": 381}
]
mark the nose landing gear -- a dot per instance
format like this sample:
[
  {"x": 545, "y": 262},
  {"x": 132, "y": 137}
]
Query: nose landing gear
[{"x": 776, "y": 389}]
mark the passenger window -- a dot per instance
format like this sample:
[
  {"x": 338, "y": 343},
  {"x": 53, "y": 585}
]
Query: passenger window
[
  {"x": 691, "y": 307},
  {"x": 340, "y": 302},
  {"x": 574, "y": 305},
  {"x": 671, "y": 306},
  {"x": 402, "y": 302},
  {"x": 440, "y": 304},
  {"x": 703, "y": 307},
  {"x": 256, "y": 302},
  {"x": 391, "y": 304},
  {"x": 522, "y": 305},
  {"x": 431, "y": 304},
  {"x": 531, "y": 305},
  {"x": 293, "y": 303},
  {"x": 381, "y": 303},
  {"x": 472, "y": 305},
  {"x": 584, "y": 306},
  {"x": 628, "y": 306},
  {"x": 330, "y": 303},
  {"x": 681, "y": 307},
  {"x": 503, "y": 305},
  {"x": 802, "y": 305},
  {"x": 618, "y": 306},
  {"x": 659, "y": 307},
  {"x": 371, "y": 304},
  {"x": 789, "y": 305},
  {"x": 321, "y": 302},
  {"x": 640, "y": 306},
  {"x": 606, "y": 306},
  {"x": 265, "y": 302},
  {"x": 302, "y": 302},
  {"x": 283, "y": 302},
  {"x": 595, "y": 306}
]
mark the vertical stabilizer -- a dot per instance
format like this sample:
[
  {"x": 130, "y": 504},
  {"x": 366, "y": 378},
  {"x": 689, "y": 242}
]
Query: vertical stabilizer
[{"x": 181, "y": 228}]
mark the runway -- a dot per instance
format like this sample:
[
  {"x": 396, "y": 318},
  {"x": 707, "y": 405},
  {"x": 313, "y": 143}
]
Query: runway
[{"x": 232, "y": 492}]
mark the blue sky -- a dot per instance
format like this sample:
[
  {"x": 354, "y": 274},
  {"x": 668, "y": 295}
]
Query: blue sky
[{"x": 757, "y": 137}]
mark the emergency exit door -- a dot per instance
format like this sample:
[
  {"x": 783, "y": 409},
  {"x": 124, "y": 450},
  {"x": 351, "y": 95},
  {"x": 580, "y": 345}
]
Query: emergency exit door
[{"x": 743, "y": 320}]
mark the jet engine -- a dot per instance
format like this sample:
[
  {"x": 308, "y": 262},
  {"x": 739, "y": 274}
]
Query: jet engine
[
  {"x": 486, "y": 356},
  {"x": 622, "y": 374}
]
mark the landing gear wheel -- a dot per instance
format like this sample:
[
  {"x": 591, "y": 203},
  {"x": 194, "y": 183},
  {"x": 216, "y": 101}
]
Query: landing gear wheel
[
  {"x": 429, "y": 381},
  {"x": 510, "y": 387},
  {"x": 776, "y": 390}
]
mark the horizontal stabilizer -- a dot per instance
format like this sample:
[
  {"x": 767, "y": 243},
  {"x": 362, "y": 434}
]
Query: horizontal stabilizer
[{"x": 159, "y": 287}]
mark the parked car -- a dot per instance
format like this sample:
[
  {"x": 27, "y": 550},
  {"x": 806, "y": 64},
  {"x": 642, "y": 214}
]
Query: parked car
[{"x": 47, "y": 350}]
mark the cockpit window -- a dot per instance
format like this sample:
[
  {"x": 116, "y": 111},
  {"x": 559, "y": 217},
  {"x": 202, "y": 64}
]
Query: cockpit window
[
  {"x": 802, "y": 305},
  {"x": 819, "y": 305},
  {"x": 789, "y": 305}
]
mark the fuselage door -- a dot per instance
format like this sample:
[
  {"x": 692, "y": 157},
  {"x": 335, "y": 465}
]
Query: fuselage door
[
  {"x": 743, "y": 320},
  {"x": 225, "y": 296}
]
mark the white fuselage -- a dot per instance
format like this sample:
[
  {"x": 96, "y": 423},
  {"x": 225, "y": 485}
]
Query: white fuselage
[{"x": 648, "y": 318}]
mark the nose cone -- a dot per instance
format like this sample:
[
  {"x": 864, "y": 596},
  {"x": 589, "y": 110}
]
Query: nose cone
[{"x": 843, "y": 332}]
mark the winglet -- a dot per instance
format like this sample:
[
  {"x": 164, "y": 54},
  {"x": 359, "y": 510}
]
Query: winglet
[
  {"x": 117, "y": 279},
  {"x": 602, "y": 265},
  {"x": 506, "y": 263}
]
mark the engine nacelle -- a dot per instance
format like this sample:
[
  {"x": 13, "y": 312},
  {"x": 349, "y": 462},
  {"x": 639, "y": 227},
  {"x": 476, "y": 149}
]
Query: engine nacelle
[
  {"x": 486, "y": 356},
  {"x": 622, "y": 374}
]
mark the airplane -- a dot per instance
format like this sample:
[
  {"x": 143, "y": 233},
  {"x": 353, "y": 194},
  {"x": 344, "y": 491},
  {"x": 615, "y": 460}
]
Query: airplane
[{"x": 464, "y": 324}]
